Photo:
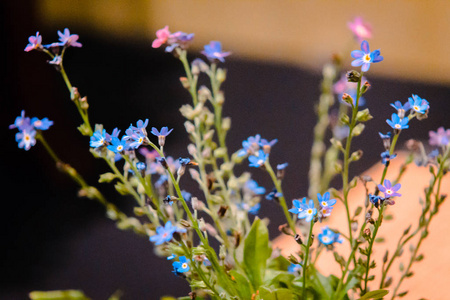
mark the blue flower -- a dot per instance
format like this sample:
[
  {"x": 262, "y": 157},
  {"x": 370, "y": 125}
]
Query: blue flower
[
  {"x": 26, "y": 138},
  {"x": 266, "y": 145},
  {"x": 182, "y": 265},
  {"x": 118, "y": 145},
  {"x": 136, "y": 136},
  {"x": 418, "y": 104},
  {"x": 165, "y": 234},
  {"x": 364, "y": 57},
  {"x": 186, "y": 195},
  {"x": 172, "y": 256},
  {"x": 282, "y": 166},
  {"x": 252, "y": 185},
  {"x": 308, "y": 212},
  {"x": 254, "y": 209},
  {"x": 374, "y": 199},
  {"x": 98, "y": 139},
  {"x": 401, "y": 109},
  {"x": 214, "y": 51},
  {"x": 299, "y": 206},
  {"x": 328, "y": 237},
  {"x": 140, "y": 166},
  {"x": 294, "y": 268},
  {"x": 251, "y": 145},
  {"x": 259, "y": 160},
  {"x": 115, "y": 133},
  {"x": 273, "y": 195},
  {"x": 398, "y": 123},
  {"x": 21, "y": 122},
  {"x": 161, "y": 134},
  {"x": 326, "y": 204},
  {"x": 386, "y": 157},
  {"x": 43, "y": 124},
  {"x": 140, "y": 127}
]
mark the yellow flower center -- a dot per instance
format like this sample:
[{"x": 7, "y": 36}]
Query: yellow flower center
[
  {"x": 184, "y": 265},
  {"x": 398, "y": 126},
  {"x": 389, "y": 191},
  {"x": 120, "y": 148},
  {"x": 310, "y": 211},
  {"x": 366, "y": 58}
]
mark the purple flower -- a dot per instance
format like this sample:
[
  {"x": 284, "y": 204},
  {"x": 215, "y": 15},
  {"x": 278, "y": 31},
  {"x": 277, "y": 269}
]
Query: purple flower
[
  {"x": 43, "y": 124},
  {"x": 389, "y": 190},
  {"x": 68, "y": 39},
  {"x": 26, "y": 138},
  {"x": 398, "y": 123},
  {"x": 418, "y": 104},
  {"x": 364, "y": 57},
  {"x": 35, "y": 42},
  {"x": 439, "y": 138},
  {"x": 258, "y": 160},
  {"x": 179, "y": 39},
  {"x": 360, "y": 29},
  {"x": 182, "y": 265},
  {"x": 140, "y": 127},
  {"x": 214, "y": 51}
]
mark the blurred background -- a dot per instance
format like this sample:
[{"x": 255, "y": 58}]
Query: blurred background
[{"x": 52, "y": 239}]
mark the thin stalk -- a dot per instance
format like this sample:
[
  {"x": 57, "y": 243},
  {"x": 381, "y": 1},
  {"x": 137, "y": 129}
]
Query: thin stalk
[{"x": 306, "y": 257}]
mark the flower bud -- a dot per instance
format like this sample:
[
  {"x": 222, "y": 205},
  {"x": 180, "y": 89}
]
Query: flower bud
[
  {"x": 353, "y": 76},
  {"x": 185, "y": 82}
]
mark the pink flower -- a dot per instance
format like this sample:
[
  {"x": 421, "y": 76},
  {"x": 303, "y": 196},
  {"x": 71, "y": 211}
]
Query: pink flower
[
  {"x": 439, "y": 138},
  {"x": 361, "y": 30},
  {"x": 35, "y": 42},
  {"x": 68, "y": 39},
  {"x": 161, "y": 37}
]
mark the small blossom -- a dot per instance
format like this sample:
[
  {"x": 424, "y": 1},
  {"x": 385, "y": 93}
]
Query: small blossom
[
  {"x": 325, "y": 200},
  {"x": 273, "y": 195},
  {"x": 364, "y": 57},
  {"x": 386, "y": 139},
  {"x": 259, "y": 160},
  {"x": 181, "y": 266},
  {"x": 214, "y": 51},
  {"x": 179, "y": 39},
  {"x": 266, "y": 145},
  {"x": 299, "y": 206},
  {"x": 161, "y": 134},
  {"x": 43, "y": 124},
  {"x": 282, "y": 166},
  {"x": 186, "y": 195},
  {"x": 117, "y": 145},
  {"x": 140, "y": 166},
  {"x": 250, "y": 146},
  {"x": 68, "y": 39},
  {"x": 165, "y": 234},
  {"x": 252, "y": 185},
  {"x": 374, "y": 199},
  {"x": 21, "y": 122},
  {"x": 389, "y": 190},
  {"x": 360, "y": 29},
  {"x": 294, "y": 268},
  {"x": 35, "y": 42},
  {"x": 418, "y": 104},
  {"x": 136, "y": 137},
  {"x": 401, "y": 109},
  {"x": 386, "y": 157},
  {"x": 98, "y": 139},
  {"x": 439, "y": 138},
  {"x": 26, "y": 138},
  {"x": 250, "y": 209},
  {"x": 308, "y": 212},
  {"x": 140, "y": 127},
  {"x": 115, "y": 133},
  {"x": 328, "y": 237},
  {"x": 172, "y": 256},
  {"x": 397, "y": 123},
  {"x": 161, "y": 37}
]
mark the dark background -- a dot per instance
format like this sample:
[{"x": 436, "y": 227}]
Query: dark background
[{"x": 52, "y": 239}]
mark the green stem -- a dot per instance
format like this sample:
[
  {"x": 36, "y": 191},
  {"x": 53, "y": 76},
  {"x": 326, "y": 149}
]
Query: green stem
[
  {"x": 306, "y": 257},
  {"x": 277, "y": 184}
]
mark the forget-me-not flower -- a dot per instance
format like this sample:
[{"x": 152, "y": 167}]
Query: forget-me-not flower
[{"x": 364, "y": 57}]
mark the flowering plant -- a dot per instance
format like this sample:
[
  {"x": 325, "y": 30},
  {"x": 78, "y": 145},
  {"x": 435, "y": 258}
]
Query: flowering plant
[{"x": 213, "y": 239}]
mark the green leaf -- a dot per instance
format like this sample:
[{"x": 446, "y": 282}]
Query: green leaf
[
  {"x": 243, "y": 286},
  {"x": 375, "y": 294},
  {"x": 256, "y": 252},
  {"x": 275, "y": 294},
  {"x": 282, "y": 280},
  {"x": 58, "y": 295}
]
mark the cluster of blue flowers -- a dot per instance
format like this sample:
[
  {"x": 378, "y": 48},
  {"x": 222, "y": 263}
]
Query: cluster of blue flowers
[
  {"x": 26, "y": 137},
  {"x": 134, "y": 137},
  {"x": 307, "y": 210},
  {"x": 329, "y": 237}
]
